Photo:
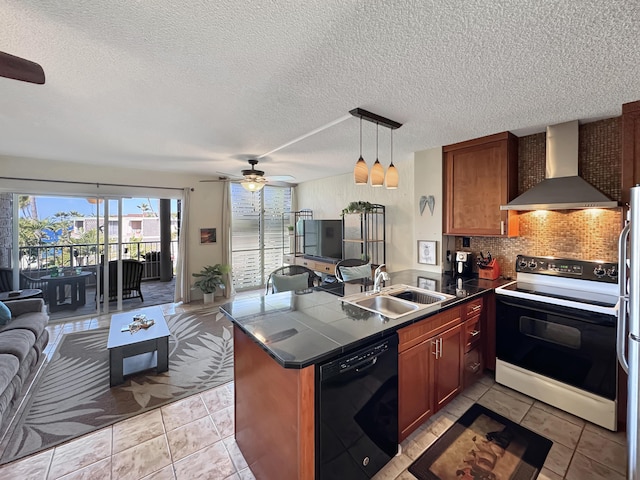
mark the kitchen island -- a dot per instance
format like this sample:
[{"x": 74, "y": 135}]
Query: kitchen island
[{"x": 280, "y": 339}]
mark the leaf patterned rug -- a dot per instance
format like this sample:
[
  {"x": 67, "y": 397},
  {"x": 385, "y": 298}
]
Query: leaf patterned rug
[{"x": 72, "y": 396}]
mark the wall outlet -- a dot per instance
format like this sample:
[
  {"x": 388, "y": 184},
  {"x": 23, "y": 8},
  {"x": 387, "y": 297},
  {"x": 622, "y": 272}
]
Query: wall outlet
[{"x": 466, "y": 241}]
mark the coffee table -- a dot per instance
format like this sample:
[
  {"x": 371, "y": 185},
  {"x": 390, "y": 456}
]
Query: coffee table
[
  {"x": 56, "y": 288},
  {"x": 25, "y": 293},
  {"x": 142, "y": 350}
]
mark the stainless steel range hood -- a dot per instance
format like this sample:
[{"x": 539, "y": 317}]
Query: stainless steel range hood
[{"x": 562, "y": 188}]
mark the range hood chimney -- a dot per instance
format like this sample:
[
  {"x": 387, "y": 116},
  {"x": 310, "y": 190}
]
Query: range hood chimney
[{"x": 562, "y": 188}]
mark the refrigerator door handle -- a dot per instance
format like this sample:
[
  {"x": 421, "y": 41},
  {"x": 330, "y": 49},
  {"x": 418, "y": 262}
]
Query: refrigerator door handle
[{"x": 621, "y": 337}]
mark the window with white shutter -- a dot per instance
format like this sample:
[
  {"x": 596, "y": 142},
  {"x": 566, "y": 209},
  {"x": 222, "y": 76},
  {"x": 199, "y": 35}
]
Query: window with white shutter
[{"x": 256, "y": 231}]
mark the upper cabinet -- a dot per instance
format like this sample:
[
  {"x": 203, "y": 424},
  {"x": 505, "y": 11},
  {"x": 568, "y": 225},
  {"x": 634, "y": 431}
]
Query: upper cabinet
[
  {"x": 479, "y": 176},
  {"x": 630, "y": 148}
]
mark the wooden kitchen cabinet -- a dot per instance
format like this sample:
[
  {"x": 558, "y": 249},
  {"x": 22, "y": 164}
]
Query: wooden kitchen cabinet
[
  {"x": 429, "y": 368},
  {"x": 630, "y": 148},
  {"x": 480, "y": 175}
]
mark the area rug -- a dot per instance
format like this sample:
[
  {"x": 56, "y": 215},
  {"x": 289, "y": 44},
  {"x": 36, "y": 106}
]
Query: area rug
[
  {"x": 72, "y": 396},
  {"x": 483, "y": 445}
]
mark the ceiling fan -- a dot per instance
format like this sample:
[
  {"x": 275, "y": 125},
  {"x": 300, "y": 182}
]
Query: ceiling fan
[
  {"x": 252, "y": 179},
  {"x": 20, "y": 69}
]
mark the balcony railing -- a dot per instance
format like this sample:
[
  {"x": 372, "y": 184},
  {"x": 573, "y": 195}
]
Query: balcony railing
[{"x": 37, "y": 260}]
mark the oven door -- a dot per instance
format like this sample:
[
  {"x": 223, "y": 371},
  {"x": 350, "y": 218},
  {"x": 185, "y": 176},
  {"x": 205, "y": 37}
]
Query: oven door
[{"x": 572, "y": 346}]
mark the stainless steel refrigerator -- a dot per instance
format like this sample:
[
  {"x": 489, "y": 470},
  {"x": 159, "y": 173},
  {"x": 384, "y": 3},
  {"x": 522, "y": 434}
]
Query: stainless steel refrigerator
[{"x": 628, "y": 344}]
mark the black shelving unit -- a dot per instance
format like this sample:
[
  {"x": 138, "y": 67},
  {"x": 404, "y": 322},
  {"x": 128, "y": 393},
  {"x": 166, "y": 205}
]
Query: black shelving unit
[
  {"x": 364, "y": 235},
  {"x": 292, "y": 242}
]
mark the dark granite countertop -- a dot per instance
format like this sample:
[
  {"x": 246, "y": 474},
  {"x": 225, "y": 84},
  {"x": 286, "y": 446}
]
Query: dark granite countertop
[{"x": 307, "y": 327}]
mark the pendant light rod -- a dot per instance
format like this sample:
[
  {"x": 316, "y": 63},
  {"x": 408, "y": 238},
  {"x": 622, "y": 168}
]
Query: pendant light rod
[{"x": 375, "y": 118}]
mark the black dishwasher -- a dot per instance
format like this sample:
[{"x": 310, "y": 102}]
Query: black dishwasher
[{"x": 357, "y": 412}]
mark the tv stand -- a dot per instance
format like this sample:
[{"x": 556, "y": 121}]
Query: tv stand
[{"x": 318, "y": 264}]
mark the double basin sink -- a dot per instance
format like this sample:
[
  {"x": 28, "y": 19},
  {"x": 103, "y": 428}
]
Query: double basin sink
[{"x": 398, "y": 300}]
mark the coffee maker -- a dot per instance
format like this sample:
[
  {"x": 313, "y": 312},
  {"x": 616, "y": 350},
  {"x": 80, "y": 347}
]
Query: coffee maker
[{"x": 463, "y": 265}]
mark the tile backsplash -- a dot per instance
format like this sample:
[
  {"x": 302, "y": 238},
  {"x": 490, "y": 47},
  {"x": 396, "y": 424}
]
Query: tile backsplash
[{"x": 588, "y": 234}]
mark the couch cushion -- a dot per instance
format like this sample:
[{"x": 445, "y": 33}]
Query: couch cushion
[
  {"x": 9, "y": 365},
  {"x": 20, "y": 307},
  {"x": 35, "y": 322},
  {"x": 5, "y": 314},
  {"x": 17, "y": 342}
]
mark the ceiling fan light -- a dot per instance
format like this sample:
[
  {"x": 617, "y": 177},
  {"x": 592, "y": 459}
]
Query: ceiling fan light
[
  {"x": 252, "y": 185},
  {"x": 361, "y": 172},
  {"x": 377, "y": 174},
  {"x": 391, "y": 178}
]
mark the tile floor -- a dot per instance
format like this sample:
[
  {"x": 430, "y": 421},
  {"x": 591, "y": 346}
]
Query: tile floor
[{"x": 193, "y": 438}]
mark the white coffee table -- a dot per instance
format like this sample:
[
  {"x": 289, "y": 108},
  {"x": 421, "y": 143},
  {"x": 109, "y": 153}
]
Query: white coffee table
[{"x": 142, "y": 350}]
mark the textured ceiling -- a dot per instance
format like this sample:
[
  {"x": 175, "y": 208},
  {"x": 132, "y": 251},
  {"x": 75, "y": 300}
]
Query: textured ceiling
[{"x": 201, "y": 86}]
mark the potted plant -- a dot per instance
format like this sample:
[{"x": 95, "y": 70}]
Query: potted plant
[
  {"x": 210, "y": 278},
  {"x": 290, "y": 228},
  {"x": 358, "y": 207}
]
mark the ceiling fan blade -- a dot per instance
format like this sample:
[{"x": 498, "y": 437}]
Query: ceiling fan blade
[
  {"x": 20, "y": 69},
  {"x": 281, "y": 178}
]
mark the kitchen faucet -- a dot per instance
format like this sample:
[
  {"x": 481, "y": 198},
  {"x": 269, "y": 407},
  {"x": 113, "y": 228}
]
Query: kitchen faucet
[{"x": 379, "y": 275}]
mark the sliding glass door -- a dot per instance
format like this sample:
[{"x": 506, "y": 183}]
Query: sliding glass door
[
  {"x": 256, "y": 232},
  {"x": 61, "y": 244}
]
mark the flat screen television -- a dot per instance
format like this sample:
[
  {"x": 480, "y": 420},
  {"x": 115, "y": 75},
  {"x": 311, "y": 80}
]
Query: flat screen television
[{"x": 323, "y": 239}]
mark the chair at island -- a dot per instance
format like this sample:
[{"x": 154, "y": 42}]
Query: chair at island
[
  {"x": 131, "y": 280},
  {"x": 352, "y": 269},
  {"x": 291, "y": 277}
]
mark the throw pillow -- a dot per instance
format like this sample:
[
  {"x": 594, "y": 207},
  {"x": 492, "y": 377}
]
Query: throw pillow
[
  {"x": 5, "y": 314},
  {"x": 353, "y": 273},
  {"x": 286, "y": 283}
]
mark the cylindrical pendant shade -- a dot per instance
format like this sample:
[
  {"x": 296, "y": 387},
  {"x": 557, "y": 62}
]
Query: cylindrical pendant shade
[
  {"x": 361, "y": 172},
  {"x": 391, "y": 179},
  {"x": 377, "y": 174}
]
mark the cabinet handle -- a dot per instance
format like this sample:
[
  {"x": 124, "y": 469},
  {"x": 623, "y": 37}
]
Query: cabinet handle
[
  {"x": 475, "y": 332},
  {"x": 441, "y": 349},
  {"x": 435, "y": 352},
  {"x": 475, "y": 308},
  {"x": 474, "y": 367},
  {"x": 502, "y": 227}
]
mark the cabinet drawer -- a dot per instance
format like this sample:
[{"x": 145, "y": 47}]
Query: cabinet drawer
[
  {"x": 472, "y": 366},
  {"x": 472, "y": 333},
  {"x": 329, "y": 268},
  {"x": 307, "y": 263},
  {"x": 422, "y": 330},
  {"x": 289, "y": 259},
  {"x": 472, "y": 308}
]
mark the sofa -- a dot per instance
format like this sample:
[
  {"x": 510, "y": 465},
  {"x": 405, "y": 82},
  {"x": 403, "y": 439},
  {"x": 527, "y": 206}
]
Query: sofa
[{"x": 22, "y": 341}]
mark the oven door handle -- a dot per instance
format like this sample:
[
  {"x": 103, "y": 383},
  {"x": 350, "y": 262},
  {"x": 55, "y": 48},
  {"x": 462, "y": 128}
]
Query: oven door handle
[{"x": 621, "y": 337}]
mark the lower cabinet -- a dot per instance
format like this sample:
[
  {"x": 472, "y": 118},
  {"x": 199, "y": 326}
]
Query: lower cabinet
[
  {"x": 473, "y": 367},
  {"x": 430, "y": 372}
]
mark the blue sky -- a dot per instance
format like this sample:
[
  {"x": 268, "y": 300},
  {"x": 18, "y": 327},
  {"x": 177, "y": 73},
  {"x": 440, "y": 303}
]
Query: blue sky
[{"x": 49, "y": 206}]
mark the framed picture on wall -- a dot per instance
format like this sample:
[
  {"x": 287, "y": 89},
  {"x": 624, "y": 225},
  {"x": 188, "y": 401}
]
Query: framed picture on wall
[
  {"x": 427, "y": 252},
  {"x": 207, "y": 235}
]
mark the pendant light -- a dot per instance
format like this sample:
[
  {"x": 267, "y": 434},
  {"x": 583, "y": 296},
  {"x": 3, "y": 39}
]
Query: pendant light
[
  {"x": 391, "y": 178},
  {"x": 377, "y": 171},
  {"x": 361, "y": 171}
]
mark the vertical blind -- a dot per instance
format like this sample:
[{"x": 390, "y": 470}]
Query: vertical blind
[{"x": 256, "y": 232}]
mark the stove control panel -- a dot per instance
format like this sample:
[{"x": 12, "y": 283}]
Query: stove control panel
[{"x": 568, "y": 267}]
